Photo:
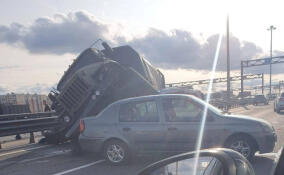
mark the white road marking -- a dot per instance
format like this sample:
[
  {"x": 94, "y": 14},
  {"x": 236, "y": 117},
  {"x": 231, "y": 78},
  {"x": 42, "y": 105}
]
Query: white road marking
[
  {"x": 23, "y": 150},
  {"x": 52, "y": 154},
  {"x": 15, "y": 147},
  {"x": 80, "y": 167}
]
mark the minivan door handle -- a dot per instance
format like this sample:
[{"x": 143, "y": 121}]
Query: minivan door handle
[
  {"x": 172, "y": 129},
  {"x": 126, "y": 129}
]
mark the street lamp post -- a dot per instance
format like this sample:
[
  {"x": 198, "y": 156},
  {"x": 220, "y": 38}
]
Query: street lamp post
[
  {"x": 228, "y": 66},
  {"x": 271, "y": 28}
]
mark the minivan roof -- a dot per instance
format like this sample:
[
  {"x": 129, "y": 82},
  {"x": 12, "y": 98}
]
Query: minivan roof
[{"x": 151, "y": 97}]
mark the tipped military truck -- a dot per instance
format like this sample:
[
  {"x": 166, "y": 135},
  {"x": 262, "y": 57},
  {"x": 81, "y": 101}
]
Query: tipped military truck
[{"x": 96, "y": 79}]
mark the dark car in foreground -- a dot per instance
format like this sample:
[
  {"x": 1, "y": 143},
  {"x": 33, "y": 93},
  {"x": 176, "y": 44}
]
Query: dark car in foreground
[{"x": 170, "y": 123}]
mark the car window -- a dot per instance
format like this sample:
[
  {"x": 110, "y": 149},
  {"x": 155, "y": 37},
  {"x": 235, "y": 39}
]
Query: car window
[
  {"x": 282, "y": 95},
  {"x": 139, "y": 112},
  {"x": 181, "y": 110}
]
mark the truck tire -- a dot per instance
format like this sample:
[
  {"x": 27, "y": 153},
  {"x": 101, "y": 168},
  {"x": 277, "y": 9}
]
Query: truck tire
[{"x": 116, "y": 152}]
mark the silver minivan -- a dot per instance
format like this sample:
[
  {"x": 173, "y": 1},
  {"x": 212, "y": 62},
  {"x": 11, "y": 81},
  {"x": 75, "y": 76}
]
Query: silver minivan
[{"x": 170, "y": 123}]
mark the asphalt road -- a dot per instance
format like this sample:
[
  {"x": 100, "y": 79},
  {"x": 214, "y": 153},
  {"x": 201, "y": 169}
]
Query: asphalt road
[{"x": 57, "y": 160}]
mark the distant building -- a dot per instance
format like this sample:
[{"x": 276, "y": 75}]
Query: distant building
[{"x": 34, "y": 101}]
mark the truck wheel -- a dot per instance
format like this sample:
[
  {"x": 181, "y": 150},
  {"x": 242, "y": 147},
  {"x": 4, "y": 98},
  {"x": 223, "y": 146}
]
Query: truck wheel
[
  {"x": 243, "y": 145},
  {"x": 116, "y": 152}
]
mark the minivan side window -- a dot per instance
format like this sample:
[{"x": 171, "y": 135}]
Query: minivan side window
[
  {"x": 145, "y": 111},
  {"x": 181, "y": 110}
]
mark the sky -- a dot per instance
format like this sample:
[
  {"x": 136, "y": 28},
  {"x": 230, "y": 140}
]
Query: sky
[{"x": 40, "y": 38}]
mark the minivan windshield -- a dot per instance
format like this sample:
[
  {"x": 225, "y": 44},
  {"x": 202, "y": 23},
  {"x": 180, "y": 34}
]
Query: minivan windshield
[{"x": 210, "y": 107}]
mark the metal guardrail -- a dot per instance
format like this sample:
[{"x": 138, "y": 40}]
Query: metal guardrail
[
  {"x": 12, "y": 124},
  {"x": 234, "y": 103},
  {"x": 216, "y": 80}
]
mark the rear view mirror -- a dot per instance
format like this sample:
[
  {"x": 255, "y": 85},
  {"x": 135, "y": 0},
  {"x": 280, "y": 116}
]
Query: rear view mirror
[{"x": 219, "y": 161}]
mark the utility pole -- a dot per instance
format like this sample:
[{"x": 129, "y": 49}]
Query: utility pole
[
  {"x": 242, "y": 80},
  {"x": 228, "y": 64},
  {"x": 262, "y": 84},
  {"x": 271, "y": 28},
  {"x": 279, "y": 88}
]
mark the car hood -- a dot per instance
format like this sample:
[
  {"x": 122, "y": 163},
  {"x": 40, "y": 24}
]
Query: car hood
[{"x": 243, "y": 118}]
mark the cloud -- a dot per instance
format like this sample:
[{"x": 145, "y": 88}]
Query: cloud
[
  {"x": 8, "y": 67},
  {"x": 38, "y": 88},
  {"x": 59, "y": 34},
  {"x": 75, "y": 31},
  {"x": 180, "y": 49},
  {"x": 11, "y": 34},
  {"x": 3, "y": 90}
]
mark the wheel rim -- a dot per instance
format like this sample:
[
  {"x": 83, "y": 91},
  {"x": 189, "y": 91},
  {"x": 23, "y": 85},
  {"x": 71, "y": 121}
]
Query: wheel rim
[
  {"x": 241, "y": 147},
  {"x": 115, "y": 153}
]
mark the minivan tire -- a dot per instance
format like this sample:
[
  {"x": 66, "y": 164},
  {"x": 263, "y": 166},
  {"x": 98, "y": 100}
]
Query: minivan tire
[
  {"x": 246, "y": 142},
  {"x": 121, "y": 149}
]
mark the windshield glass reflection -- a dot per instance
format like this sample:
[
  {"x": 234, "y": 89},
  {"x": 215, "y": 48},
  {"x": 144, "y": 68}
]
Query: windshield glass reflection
[{"x": 206, "y": 166}]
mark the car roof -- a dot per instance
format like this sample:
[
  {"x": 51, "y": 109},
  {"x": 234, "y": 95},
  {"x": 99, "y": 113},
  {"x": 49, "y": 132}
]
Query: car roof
[{"x": 147, "y": 97}]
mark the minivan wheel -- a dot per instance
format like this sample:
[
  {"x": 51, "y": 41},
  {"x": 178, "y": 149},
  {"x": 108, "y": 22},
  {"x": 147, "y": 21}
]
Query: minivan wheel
[
  {"x": 116, "y": 152},
  {"x": 243, "y": 145}
]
